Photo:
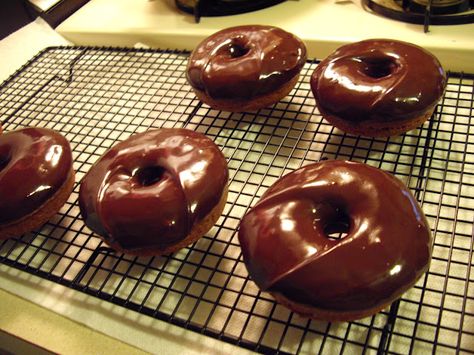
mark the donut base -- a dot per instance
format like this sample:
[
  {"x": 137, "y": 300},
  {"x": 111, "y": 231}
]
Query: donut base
[
  {"x": 44, "y": 213},
  {"x": 326, "y": 315},
  {"x": 196, "y": 233},
  {"x": 236, "y": 105},
  {"x": 377, "y": 128}
]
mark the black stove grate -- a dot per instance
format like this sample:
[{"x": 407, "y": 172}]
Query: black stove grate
[
  {"x": 99, "y": 96},
  {"x": 425, "y": 13},
  {"x": 210, "y": 8}
]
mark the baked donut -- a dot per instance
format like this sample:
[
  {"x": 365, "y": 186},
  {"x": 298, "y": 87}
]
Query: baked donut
[
  {"x": 36, "y": 178},
  {"x": 286, "y": 244},
  {"x": 378, "y": 87},
  {"x": 155, "y": 192},
  {"x": 246, "y": 67}
]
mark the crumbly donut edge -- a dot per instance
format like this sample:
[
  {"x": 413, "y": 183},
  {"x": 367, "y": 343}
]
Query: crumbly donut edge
[
  {"x": 326, "y": 315},
  {"x": 199, "y": 229},
  {"x": 379, "y": 129},
  {"x": 341, "y": 316},
  {"x": 257, "y": 103}
]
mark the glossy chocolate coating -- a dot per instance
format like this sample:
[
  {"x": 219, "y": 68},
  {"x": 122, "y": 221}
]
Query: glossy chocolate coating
[
  {"x": 378, "y": 80},
  {"x": 386, "y": 249},
  {"x": 149, "y": 190},
  {"x": 246, "y": 61},
  {"x": 34, "y": 164}
]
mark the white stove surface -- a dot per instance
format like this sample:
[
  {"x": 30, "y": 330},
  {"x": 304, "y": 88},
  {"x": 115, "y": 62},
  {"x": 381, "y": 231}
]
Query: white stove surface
[{"x": 323, "y": 25}]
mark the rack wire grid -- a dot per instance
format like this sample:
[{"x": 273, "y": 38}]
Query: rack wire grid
[{"x": 99, "y": 96}]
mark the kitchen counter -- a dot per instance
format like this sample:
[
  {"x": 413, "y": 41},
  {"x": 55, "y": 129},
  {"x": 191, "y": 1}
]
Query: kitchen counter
[
  {"x": 30, "y": 329},
  {"x": 66, "y": 321},
  {"x": 324, "y": 25}
]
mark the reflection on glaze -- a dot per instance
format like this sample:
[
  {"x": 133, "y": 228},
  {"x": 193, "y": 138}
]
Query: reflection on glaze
[
  {"x": 286, "y": 249},
  {"x": 245, "y": 61},
  {"x": 34, "y": 164},
  {"x": 378, "y": 80},
  {"x": 149, "y": 190}
]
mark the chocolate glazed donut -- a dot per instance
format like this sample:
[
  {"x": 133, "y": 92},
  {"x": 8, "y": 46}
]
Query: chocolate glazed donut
[
  {"x": 246, "y": 67},
  {"x": 378, "y": 87},
  {"x": 287, "y": 251},
  {"x": 36, "y": 178},
  {"x": 155, "y": 192}
]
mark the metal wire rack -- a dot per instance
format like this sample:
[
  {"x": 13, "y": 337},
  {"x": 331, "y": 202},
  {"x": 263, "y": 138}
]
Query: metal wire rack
[{"x": 99, "y": 96}]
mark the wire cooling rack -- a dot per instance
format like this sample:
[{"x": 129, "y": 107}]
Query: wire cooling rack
[{"x": 99, "y": 96}]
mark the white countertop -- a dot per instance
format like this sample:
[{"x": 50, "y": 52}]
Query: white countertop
[
  {"x": 323, "y": 25},
  {"x": 19, "y": 47},
  {"x": 125, "y": 326}
]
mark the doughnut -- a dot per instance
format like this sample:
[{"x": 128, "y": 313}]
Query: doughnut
[
  {"x": 378, "y": 87},
  {"x": 155, "y": 192},
  {"x": 36, "y": 178},
  {"x": 290, "y": 251},
  {"x": 245, "y": 68}
]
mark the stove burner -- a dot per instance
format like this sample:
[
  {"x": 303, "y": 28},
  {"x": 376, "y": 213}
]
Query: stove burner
[
  {"x": 425, "y": 12},
  {"x": 222, "y": 7},
  {"x": 439, "y": 7}
]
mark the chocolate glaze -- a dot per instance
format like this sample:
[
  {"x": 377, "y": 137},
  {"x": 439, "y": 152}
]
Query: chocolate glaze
[
  {"x": 380, "y": 80},
  {"x": 34, "y": 164},
  {"x": 245, "y": 61},
  {"x": 149, "y": 190},
  {"x": 386, "y": 249}
]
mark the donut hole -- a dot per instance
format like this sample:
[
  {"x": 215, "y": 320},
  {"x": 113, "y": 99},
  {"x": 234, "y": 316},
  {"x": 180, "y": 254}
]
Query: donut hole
[
  {"x": 338, "y": 227},
  {"x": 5, "y": 158},
  {"x": 149, "y": 175},
  {"x": 379, "y": 67},
  {"x": 237, "y": 50}
]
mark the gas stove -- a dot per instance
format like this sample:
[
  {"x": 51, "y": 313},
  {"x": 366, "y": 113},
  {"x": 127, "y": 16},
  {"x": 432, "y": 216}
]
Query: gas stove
[
  {"x": 324, "y": 25},
  {"x": 426, "y": 12}
]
